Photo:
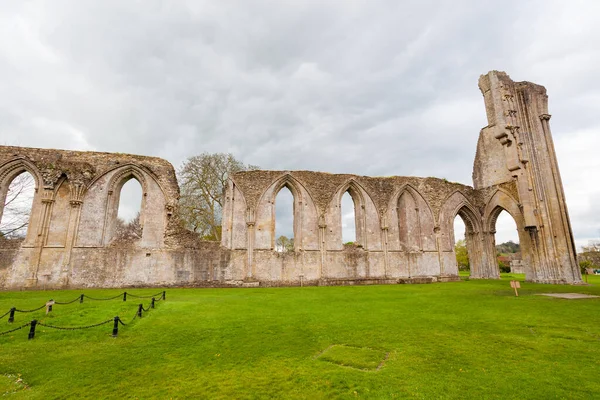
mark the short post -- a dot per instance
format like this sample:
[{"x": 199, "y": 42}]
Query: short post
[
  {"x": 516, "y": 285},
  {"x": 11, "y": 316},
  {"x": 164, "y": 296},
  {"x": 139, "y": 313},
  {"x": 32, "y": 329},
  {"x": 49, "y": 305},
  {"x": 80, "y": 299},
  {"x": 116, "y": 327},
  {"x": 124, "y": 296},
  {"x": 152, "y": 303}
]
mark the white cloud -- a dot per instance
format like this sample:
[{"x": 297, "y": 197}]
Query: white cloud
[{"x": 368, "y": 87}]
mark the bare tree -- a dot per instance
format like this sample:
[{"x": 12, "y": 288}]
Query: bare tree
[
  {"x": 128, "y": 231},
  {"x": 202, "y": 179},
  {"x": 17, "y": 207}
]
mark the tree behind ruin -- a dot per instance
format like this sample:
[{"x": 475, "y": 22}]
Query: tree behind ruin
[{"x": 202, "y": 182}]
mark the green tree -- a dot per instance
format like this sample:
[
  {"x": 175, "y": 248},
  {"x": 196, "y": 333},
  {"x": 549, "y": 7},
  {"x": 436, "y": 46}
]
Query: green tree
[
  {"x": 585, "y": 264},
  {"x": 284, "y": 244},
  {"x": 462, "y": 255},
  {"x": 202, "y": 182}
]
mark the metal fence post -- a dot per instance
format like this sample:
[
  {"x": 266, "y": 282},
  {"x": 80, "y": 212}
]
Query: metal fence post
[
  {"x": 124, "y": 296},
  {"x": 11, "y": 317},
  {"x": 139, "y": 313}
]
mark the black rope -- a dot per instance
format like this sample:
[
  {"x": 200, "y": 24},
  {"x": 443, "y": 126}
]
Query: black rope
[
  {"x": 109, "y": 298},
  {"x": 145, "y": 297},
  {"x": 68, "y": 302},
  {"x": 75, "y": 327},
  {"x": 16, "y": 329},
  {"x": 26, "y": 311},
  {"x": 8, "y": 312}
]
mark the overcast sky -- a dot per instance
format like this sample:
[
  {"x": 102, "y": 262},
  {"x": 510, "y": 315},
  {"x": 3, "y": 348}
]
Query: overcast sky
[{"x": 365, "y": 87}]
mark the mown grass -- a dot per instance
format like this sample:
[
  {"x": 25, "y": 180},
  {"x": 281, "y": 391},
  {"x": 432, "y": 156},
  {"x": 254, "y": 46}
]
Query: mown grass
[{"x": 468, "y": 339}]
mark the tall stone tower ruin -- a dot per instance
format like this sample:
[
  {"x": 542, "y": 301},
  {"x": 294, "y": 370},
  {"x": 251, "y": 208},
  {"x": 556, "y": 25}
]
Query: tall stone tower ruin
[{"x": 516, "y": 149}]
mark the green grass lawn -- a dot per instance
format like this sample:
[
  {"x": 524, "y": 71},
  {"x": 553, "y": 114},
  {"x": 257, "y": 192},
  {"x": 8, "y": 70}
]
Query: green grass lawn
[{"x": 468, "y": 339}]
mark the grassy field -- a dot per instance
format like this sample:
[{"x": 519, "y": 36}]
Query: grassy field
[{"x": 469, "y": 339}]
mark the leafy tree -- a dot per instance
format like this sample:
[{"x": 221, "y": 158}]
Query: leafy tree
[
  {"x": 284, "y": 245},
  {"x": 202, "y": 180},
  {"x": 17, "y": 207},
  {"x": 503, "y": 267},
  {"x": 508, "y": 247},
  {"x": 585, "y": 264},
  {"x": 591, "y": 253},
  {"x": 462, "y": 255}
]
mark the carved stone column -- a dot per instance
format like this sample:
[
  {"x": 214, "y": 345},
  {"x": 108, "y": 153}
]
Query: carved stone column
[
  {"x": 77, "y": 190},
  {"x": 42, "y": 233},
  {"x": 322, "y": 246},
  {"x": 384, "y": 240},
  {"x": 250, "y": 224}
]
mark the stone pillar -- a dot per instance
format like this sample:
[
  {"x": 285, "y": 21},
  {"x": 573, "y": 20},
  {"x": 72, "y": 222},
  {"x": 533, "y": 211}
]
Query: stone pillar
[
  {"x": 484, "y": 244},
  {"x": 250, "y": 224},
  {"x": 42, "y": 233},
  {"x": 77, "y": 190},
  {"x": 322, "y": 245},
  {"x": 384, "y": 240}
]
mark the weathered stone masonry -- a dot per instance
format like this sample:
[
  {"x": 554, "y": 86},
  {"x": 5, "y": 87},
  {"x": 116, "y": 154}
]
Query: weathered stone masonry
[{"x": 404, "y": 225}]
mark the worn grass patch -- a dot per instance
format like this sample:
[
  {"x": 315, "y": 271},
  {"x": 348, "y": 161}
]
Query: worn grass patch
[
  {"x": 11, "y": 384},
  {"x": 362, "y": 358}
]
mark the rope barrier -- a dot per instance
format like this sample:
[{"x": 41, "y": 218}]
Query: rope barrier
[
  {"x": 74, "y": 328},
  {"x": 6, "y": 313},
  {"x": 28, "y": 311},
  {"x": 109, "y": 298},
  {"x": 116, "y": 320},
  {"x": 146, "y": 297},
  {"x": 80, "y": 298},
  {"x": 16, "y": 329},
  {"x": 68, "y": 302}
]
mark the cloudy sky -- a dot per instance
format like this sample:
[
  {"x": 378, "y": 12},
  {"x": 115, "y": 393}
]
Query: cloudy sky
[{"x": 366, "y": 87}]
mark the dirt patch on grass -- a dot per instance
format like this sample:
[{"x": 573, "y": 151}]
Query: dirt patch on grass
[
  {"x": 361, "y": 358},
  {"x": 570, "y": 296}
]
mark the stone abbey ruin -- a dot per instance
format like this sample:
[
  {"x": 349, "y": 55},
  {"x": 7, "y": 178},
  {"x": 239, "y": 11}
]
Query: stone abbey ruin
[{"x": 404, "y": 225}]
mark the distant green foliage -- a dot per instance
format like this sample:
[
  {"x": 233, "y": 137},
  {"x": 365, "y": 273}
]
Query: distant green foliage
[
  {"x": 503, "y": 267},
  {"x": 585, "y": 264},
  {"x": 284, "y": 244},
  {"x": 508, "y": 247},
  {"x": 462, "y": 255}
]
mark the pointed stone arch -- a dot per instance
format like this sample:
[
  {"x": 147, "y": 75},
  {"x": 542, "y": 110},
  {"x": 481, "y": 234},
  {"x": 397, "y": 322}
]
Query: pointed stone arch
[
  {"x": 458, "y": 204},
  {"x": 8, "y": 172},
  {"x": 367, "y": 218},
  {"x": 535, "y": 268},
  {"x": 411, "y": 223},
  {"x": 305, "y": 215}
]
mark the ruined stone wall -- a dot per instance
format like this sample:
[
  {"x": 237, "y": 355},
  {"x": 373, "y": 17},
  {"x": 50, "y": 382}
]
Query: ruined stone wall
[
  {"x": 70, "y": 241},
  {"x": 404, "y": 225}
]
